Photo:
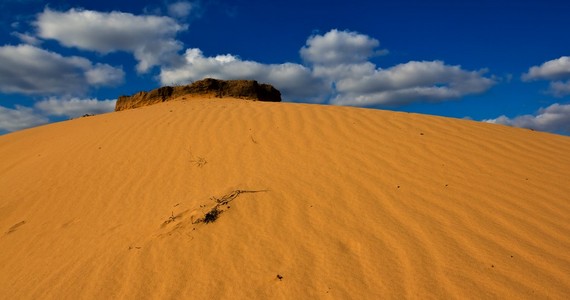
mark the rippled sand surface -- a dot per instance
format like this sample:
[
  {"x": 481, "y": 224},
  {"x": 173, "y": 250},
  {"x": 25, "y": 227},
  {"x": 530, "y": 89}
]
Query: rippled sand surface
[{"x": 302, "y": 202}]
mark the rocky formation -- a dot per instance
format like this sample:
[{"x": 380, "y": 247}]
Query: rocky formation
[{"x": 245, "y": 89}]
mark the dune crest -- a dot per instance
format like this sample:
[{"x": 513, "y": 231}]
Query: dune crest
[{"x": 356, "y": 204}]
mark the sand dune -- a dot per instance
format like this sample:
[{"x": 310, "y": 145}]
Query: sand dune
[{"x": 352, "y": 204}]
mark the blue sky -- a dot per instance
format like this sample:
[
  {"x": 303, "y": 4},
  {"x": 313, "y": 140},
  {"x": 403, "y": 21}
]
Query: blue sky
[{"x": 505, "y": 62}]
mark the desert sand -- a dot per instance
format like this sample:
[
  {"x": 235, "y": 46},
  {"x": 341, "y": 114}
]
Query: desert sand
[{"x": 350, "y": 203}]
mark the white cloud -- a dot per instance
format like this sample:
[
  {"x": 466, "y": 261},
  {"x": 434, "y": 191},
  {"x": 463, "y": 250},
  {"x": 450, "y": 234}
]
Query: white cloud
[
  {"x": 555, "y": 118},
  {"x": 180, "y": 9},
  {"x": 338, "y": 61},
  {"x": 74, "y": 107},
  {"x": 559, "y": 88},
  {"x": 555, "y": 69},
  {"x": 293, "y": 80},
  {"x": 410, "y": 82},
  {"x": 149, "y": 38},
  {"x": 102, "y": 74},
  {"x": 30, "y": 70},
  {"x": 27, "y": 38},
  {"x": 342, "y": 59},
  {"x": 336, "y": 73},
  {"x": 338, "y": 70},
  {"x": 19, "y": 118},
  {"x": 339, "y": 47}
]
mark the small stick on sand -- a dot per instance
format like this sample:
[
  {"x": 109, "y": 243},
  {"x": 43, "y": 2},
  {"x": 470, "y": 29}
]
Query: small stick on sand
[{"x": 214, "y": 212}]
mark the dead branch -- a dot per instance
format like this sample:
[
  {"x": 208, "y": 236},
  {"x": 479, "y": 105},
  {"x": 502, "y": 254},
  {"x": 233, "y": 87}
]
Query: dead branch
[{"x": 215, "y": 211}]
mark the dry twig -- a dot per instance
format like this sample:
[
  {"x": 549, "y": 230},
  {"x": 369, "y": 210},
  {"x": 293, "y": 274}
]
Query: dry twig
[{"x": 215, "y": 211}]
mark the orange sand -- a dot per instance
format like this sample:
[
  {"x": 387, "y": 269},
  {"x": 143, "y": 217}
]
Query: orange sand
[{"x": 360, "y": 204}]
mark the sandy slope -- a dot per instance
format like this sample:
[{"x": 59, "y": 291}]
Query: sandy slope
[{"x": 360, "y": 204}]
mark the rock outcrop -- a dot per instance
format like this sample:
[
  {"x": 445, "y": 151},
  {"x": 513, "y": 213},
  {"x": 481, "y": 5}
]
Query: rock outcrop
[{"x": 245, "y": 89}]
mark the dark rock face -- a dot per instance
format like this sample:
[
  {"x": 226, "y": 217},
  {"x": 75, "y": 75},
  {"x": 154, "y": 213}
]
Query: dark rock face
[{"x": 245, "y": 89}]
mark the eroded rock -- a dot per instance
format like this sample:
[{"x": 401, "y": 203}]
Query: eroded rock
[{"x": 244, "y": 89}]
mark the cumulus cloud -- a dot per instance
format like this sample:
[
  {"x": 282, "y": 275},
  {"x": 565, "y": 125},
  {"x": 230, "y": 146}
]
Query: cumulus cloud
[
  {"x": 555, "y": 69},
  {"x": 555, "y": 118},
  {"x": 27, "y": 38},
  {"x": 559, "y": 88},
  {"x": 20, "y": 117},
  {"x": 30, "y": 70},
  {"x": 408, "y": 82},
  {"x": 103, "y": 74},
  {"x": 340, "y": 47},
  {"x": 342, "y": 58},
  {"x": 180, "y": 9},
  {"x": 74, "y": 107},
  {"x": 338, "y": 70},
  {"x": 151, "y": 39},
  {"x": 293, "y": 80},
  {"x": 335, "y": 73}
]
